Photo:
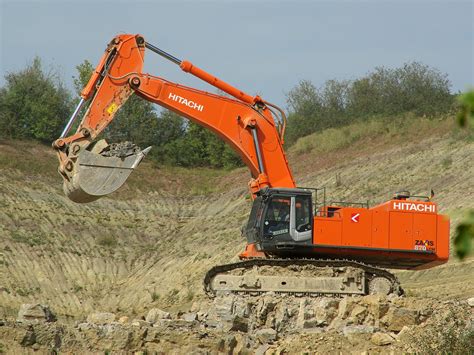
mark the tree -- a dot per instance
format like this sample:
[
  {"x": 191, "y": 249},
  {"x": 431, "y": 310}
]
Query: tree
[
  {"x": 33, "y": 104},
  {"x": 200, "y": 147},
  {"x": 414, "y": 87},
  {"x": 305, "y": 107}
]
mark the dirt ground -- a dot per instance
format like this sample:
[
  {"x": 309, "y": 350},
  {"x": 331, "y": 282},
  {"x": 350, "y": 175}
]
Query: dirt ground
[{"x": 149, "y": 245}]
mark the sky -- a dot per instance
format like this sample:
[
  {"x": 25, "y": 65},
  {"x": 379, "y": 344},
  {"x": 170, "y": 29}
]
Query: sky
[{"x": 261, "y": 47}]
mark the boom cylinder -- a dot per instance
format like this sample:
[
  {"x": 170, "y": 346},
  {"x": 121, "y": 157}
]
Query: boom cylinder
[
  {"x": 163, "y": 53},
  {"x": 189, "y": 67}
]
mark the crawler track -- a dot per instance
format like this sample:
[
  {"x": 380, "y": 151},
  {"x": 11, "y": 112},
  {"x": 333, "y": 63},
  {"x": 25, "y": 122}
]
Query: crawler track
[{"x": 294, "y": 266}]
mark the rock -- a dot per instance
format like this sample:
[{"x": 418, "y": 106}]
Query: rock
[
  {"x": 337, "y": 324},
  {"x": 101, "y": 318},
  {"x": 302, "y": 313},
  {"x": 404, "y": 334},
  {"x": 268, "y": 305},
  {"x": 123, "y": 320},
  {"x": 261, "y": 350},
  {"x": 312, "y": 323},
  {"x": 84, "y": 326},
  {"x": 326, "y": 310},
  {"x": 175, "y": 323},
  {"x": 155, "y": 314},
  {"x": 357, "y": 329},
  {"x": 29, "y": 338},
  {"x": 346, "y": 306},
  {"x": 223, "y": 307},
  {"x": 241, "y": 307},
  {"x": 139, "y": 323},
  {"x": 328, "y": 303},
  {"x": 212, "y": 323},
  {"x": 470, "y": 301},
  {"x": 381, "y": 339},
  {"x": 317, "y": 330},
  {"x": 35, "y": 312},
  {"x": 282, "y": 317},
  {"x": 239, "y": 324},
  {"x": 234, "y": 344},
  {"x": 358, "y": 314},
  {"x": 266, "y": 335},
  {"x": 201, "y": 316},
  {"x": 190, "y": 316},
  {"x": 400, "y": 317}
]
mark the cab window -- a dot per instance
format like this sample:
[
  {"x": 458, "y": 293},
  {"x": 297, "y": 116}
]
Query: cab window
[
  {"x": 277, "y": 216},
  {"x": 303, "y": 213}
]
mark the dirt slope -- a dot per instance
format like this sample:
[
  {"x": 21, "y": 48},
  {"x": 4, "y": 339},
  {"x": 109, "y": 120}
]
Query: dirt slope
[{"x": 150, "y": 244}]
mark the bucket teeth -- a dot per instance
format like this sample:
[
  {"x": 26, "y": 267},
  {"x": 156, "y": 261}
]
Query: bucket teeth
[{"x": 96, "y": 175}]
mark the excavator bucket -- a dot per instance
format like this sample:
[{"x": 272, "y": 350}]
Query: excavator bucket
[{"x": 101, "y": 171}]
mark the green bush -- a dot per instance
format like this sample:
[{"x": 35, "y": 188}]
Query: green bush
[
  {"x": 414, "y": 88},
  {"x": 33, "y": 104}
]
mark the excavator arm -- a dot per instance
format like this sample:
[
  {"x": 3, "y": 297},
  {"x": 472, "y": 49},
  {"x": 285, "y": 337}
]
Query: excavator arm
[{"x": 247, "y": 123}]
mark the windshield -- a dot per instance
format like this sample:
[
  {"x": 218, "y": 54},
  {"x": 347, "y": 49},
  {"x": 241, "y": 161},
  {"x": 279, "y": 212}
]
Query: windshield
[{"x": 277, "y": 217}]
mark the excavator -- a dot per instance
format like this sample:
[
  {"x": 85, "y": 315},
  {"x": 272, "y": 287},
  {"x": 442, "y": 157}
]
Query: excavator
[{"x": 297, "y": 242}]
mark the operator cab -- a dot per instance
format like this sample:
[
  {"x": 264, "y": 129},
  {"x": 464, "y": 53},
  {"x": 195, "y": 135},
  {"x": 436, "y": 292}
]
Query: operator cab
[{"x": 281, "y": 219}]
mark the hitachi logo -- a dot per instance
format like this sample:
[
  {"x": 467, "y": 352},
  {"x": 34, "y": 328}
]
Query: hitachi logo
[
  {"x": 186, "y": 102},
  {"x": 417, "y": 207}
]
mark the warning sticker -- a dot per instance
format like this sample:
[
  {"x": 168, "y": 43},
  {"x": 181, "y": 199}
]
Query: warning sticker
[{"x": 112, "y": 108}]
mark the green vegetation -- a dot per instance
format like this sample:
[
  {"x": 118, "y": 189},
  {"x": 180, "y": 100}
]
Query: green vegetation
[
  {"x": 28, "y": 237},
  {"x": 414, "y": 88},
  {"x": 107, "y": 241},
  {"x": 33, "y": 104},
  {"x": 464, "y": 238},
  {"x": 395, "y": 128}
]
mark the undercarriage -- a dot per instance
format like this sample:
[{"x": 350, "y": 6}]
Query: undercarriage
[{"x": 300, "y": 277}]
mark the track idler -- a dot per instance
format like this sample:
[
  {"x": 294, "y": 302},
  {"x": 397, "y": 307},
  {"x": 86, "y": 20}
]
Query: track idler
[{"x": 102, "y": 170}]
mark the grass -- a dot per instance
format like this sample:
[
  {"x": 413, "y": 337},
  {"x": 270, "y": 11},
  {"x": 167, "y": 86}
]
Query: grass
[
  {"x": 39, "y": 161},
  {"x": 397, "y": 129},
  {"x": 107, "y": 241},
  {"x": 29, "y": 238},
  {"x": 155, "y": 296},
  {"x": 446, "y": 162}
]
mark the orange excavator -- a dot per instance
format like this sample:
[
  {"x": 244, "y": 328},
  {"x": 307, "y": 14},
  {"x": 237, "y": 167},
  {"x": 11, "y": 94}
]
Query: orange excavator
[{"x": 297, "y": 242}]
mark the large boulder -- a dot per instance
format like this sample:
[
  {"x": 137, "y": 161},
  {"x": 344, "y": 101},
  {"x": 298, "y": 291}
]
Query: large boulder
[{"x": 35, "y": 312}]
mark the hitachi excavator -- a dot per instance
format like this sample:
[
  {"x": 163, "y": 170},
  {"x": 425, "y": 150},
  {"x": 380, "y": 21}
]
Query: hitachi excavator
[{"x": 297, "y": 242}]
